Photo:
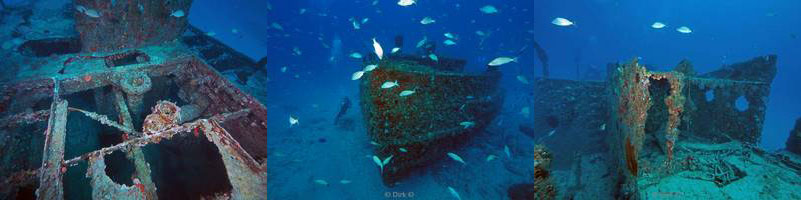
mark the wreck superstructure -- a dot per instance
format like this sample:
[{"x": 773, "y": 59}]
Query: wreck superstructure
[
  {"x": 90, "y": 97},
  {"x": 662, "y": 127}
]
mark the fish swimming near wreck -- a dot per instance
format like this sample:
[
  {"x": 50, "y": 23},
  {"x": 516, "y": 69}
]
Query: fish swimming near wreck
[{"x": 343, "y": 109}]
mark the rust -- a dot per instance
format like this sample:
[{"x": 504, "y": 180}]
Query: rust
[{"x": 631, "y": 158}]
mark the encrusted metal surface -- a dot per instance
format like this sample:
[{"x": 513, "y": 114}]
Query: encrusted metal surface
[
  {"x": 241, "y": 133},
  {"x": 50, "y": 185},
  {"x": 648, "y": 113},
  {"x": 248, "y": 177}
]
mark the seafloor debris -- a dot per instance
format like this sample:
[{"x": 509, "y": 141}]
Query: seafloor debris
[{"x": 426, "y": 126}]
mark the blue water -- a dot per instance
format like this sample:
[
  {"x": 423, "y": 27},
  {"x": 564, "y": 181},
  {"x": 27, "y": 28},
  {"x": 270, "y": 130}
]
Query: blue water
[{"x": 605, "y": 31}]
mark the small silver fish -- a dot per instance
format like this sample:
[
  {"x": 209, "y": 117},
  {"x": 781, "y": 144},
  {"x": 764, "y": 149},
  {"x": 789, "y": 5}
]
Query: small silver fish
[
  {"x": 380, "y": 163},
  {"x": 421, "y": 42},
  {"x": 454, "y": 193},
  {"x": 80, "y": 8},
  {"x": 357, "y": 75},
  {"x": 449, "y": 35},
  {"x": 277, "y": 26},
  {"x": 467, "y": 124},
  {"x": 427, "y": 20},
  {"x": 356, "y": 55},
  {"x": 321, "y": 182},
  {"x": 389, "y": 84},
  {"x": 433, "y": 57},
  {"x": 658, "y": 25},
  {"x": 525, "y": 111},
  {"x": 491, "y": 157},
  {"x": 405, "y": 3},
  {"x": 296, "y": 51},
  {"x": 378, "y": 50},
  {"x": 501, "y": 61},
  {"x": 506, "y": 150},
  {"x": 293, "y": 121},
  {"x": 406, "y": 93},
  {"x": 684, "y": 29},
  {"x": 386, "y": 160},
  {"x": 396, "y": 49},
  {"x": 356, "y": 25},
  {"x": 344, "y": 181},
  {"x": 522, "y": 79},
  {"x": 177, "y": 13},
  {"x": 449, "y": 42},
  {"x": 402, "y": 150},
  {"x": 488, "y": 9},
  {"x": 370, "y": 68},
  {"x": 456, "y": 158},
  {"x": 92, "y": 13},
  {"x": 562, "y": 22},
  {"x": 377, "y": 161}
]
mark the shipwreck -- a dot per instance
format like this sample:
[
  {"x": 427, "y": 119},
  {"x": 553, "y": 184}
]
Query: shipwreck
[
  {"x": 663, "y": 127},
  {"x": 446, "y": 109}
]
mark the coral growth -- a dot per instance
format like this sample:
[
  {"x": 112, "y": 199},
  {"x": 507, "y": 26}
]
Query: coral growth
[
  {"x": 631, "y": 84},
  {"x": 675, "y": 105}
]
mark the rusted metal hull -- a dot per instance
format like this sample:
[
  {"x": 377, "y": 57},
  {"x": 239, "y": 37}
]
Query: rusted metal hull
[{"x": 442, "y": 113}]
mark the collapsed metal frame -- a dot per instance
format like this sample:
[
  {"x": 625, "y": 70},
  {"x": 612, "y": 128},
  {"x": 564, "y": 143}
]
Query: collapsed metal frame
[{"x": 229, "y": 108}]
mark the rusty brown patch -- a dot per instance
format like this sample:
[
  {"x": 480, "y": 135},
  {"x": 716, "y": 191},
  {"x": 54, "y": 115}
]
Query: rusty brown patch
[{"x": 631, "y": 157}]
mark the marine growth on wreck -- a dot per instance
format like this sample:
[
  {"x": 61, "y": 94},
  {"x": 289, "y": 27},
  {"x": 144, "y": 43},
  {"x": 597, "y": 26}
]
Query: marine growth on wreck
[{"x": 124, "y": 112}]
